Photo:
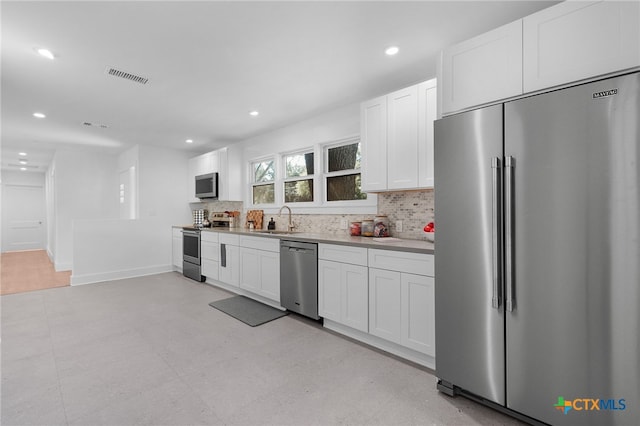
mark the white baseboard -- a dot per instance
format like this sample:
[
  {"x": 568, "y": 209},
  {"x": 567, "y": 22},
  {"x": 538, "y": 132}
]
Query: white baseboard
[
  {"x": 119, "y": 275},
  {"x": 62, "y": 266},
  {"x": 243, "y": 292}
]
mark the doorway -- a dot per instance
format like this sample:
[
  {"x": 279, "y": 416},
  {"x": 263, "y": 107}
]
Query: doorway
[{"x": 23, "y": 213}]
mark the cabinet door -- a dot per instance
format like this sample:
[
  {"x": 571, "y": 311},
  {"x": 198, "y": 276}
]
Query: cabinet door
[
  {"x": 249, "y": 269},
  {"x": 577, "y": 40},
  {"x": 427, "y": 113},
  {"x": 418, "y": 313},
  {"x": 210, "y": 269},
  {"x": 402, "y": 139},
  {"x": 176, "y": 253},
  {"x": 483, "y": 69},
  {"x": 373, "y": 139},
  {"x": 354, "y": 281},
  {"x": 385, "y": 304},
  {"x": 329, "y": 290},
  {"x": 229, "y": 272},
  {"x": 270, "y": 275}
]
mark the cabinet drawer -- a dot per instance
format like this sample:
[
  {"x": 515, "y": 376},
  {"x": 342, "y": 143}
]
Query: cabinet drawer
[
  {"x": 211, "y": 237},
  {"x": 413, "y": 263},
  {"x": 343, "y": 254},
  {"x": 231, "y": 239},
  {"x": 260, "y": 243},
  {"x": 210, "y": 250},
  {"x": 210, "y": 269}
]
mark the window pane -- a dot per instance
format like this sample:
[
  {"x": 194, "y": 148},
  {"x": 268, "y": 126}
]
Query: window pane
[
  {"x": 263, "y": 171},
  {"x": 298, "y": 191},
  {"x": 345, "y": 157},
  {"x": 299, "y": 165},
  {"x": 264, "y": 194},
  {"x": 346, "y": 187}
]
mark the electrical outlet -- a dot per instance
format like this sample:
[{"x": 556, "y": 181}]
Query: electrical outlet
[
  {"x": 398, "y": 226},
  {"x": 343, "y": 223}
]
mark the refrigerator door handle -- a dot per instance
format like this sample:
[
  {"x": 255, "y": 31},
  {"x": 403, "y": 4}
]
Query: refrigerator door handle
[
  {"x": 496, "y": 233},
  {"x": 508, "y": 229}
]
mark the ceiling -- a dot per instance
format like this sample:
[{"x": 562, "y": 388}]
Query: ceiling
[{"x": 208, "y": 63}]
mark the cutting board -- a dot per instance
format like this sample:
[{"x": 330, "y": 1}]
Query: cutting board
[{"x": 256, "y": 216}]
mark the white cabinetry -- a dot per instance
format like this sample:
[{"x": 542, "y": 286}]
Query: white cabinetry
[
  {"x": 401, "y": 299},
  {"x": 577, "y": 40},
  {"x": 559, "y": 45},
  {"x": 227, "y": 162},
  {"x": 210, "y": 254},
  {"x": 229, "y": 271},
  {"x": 483, "y": 69},
  {"x": 397, "y": 139},
  {"x": 260, "y": 266},
  {"x": 343, "y": 285},
  {"x": 176, "y": 252}
]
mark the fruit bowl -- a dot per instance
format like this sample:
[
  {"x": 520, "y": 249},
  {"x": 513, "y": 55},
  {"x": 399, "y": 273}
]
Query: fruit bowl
[{"x": 431, "y": 236}]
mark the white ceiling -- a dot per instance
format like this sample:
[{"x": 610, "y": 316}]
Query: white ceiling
[{"x": 209, "y": 63}]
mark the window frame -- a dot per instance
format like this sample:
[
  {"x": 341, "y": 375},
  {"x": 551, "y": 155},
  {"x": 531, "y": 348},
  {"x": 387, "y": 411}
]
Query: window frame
[
  {"x": 371, "y": 199},
  {"x": 313, "y": 177},
  {"x": 253, "y": 183}
]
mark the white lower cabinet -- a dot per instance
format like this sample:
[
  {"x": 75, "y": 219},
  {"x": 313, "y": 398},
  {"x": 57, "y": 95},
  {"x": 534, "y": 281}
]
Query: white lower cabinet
[
  {"x": 343, "y": 294},
  {"x": 260, "y": 266},
  {"x": 385, "y": 305},
  {"x": 210, "y": 255},
  {"x": 418, "y": 328},
  {"x": 176, "y": 249},
  {"x": 229, "y": 271}
]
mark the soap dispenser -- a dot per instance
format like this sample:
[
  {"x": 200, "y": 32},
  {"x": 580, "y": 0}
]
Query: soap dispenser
[{"x": 271, "y": 225}]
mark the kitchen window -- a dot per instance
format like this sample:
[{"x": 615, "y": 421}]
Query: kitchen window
[
  {"x": 263, "y": 178},
  {"x": 298, "y": 177},
  {"x": 343, "y": 179}
]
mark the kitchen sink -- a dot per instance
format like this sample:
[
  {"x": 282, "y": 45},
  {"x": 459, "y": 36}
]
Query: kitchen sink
[{"x": 276, "y": 232}]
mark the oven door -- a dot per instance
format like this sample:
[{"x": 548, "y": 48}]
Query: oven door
[{"x": 191, "y": 246}]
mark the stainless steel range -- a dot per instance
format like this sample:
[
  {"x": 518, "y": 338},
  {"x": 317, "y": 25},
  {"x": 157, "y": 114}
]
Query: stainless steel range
[{"x": 191, "y": 253}]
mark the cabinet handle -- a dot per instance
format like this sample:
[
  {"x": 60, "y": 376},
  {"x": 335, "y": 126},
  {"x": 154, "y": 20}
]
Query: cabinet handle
[
  {"x": 496, "y": 233},
  {"x": 223, "y": 255},
  {"x": 510, "y": 303}
]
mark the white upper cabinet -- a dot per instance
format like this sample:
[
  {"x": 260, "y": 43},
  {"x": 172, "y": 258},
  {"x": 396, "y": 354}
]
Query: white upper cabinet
[
  {"x": 577, "y": 40},
  {"x": 563, "y": 44},
  {"x": 224, "y": 162},
  {"x": 397, "y": 139},
  {"x": 201, "y": 165},
  {"x": 402, "y": 139},
  {"x": 373, "y": 137},
  {"x": 483, "y": 69}
]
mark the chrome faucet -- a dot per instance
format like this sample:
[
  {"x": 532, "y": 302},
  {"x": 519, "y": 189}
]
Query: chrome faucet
[{"x": 291, "y": 225}]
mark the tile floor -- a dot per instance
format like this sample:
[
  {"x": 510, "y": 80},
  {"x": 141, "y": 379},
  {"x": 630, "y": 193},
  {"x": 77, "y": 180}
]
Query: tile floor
[{"x": 150, "y": 351}]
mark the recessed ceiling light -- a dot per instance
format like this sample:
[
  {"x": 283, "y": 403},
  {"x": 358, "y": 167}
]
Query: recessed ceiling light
[
  {"x": 22, "y": 161},
  {"x": 189, "y": 141},
  {"x": 39, "y": 115},
  {"x": 22, "y": 154},
  {"x": 24, "y": 169},
  {"x": 254, "y": 113},
  {"x": 391, "y": 50},
  {"x": 45, "y": 53}
]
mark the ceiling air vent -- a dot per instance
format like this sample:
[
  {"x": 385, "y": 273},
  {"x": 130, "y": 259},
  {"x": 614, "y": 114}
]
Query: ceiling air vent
[
  {"x": 126, "y": 75},
  {"x": 89, "y": 124}
]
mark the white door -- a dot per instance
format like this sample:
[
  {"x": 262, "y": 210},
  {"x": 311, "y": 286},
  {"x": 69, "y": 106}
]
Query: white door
[{"x": 23, "y": 217}]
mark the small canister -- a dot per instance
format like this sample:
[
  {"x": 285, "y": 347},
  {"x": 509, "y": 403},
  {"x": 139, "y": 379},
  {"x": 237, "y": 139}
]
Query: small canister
[
  {"x": 381, "y": 226},
  {"x": 367, "y": 228},
  {"x": 355, "y": 229}
]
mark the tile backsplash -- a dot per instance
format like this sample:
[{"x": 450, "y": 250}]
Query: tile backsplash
[{"x": 413, "y": 208}]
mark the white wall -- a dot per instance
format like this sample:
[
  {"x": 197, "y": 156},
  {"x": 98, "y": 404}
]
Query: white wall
[
  {"x": 85, "y": 188},
  {"x": 115, "y": 249}
]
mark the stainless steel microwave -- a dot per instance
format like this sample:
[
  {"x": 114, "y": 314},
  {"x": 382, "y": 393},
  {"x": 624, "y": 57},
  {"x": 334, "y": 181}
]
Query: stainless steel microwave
[{"x": 207, "y": 186}]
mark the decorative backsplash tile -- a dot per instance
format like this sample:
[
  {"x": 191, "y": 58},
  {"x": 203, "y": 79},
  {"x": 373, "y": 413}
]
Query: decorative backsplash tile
[{"x": 413, "y": 208}]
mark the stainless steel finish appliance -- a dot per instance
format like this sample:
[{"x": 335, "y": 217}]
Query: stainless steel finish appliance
[
  {"x": 207, "y": 186},
  {"x": 299, "y": 277},
  {"x": 537, "y": 207},
  {"x": 191, "y": 254}
]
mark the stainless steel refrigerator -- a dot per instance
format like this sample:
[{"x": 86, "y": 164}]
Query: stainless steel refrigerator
[{"x": 537, "y": 211}]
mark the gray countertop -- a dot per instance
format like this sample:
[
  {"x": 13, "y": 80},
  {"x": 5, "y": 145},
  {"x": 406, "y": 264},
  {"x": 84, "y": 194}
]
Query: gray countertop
[{"x": 397, "y": 244}]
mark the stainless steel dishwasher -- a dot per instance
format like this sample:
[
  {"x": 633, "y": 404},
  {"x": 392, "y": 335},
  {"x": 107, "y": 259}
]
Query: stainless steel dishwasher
[{"x": 299, "y": 277}]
